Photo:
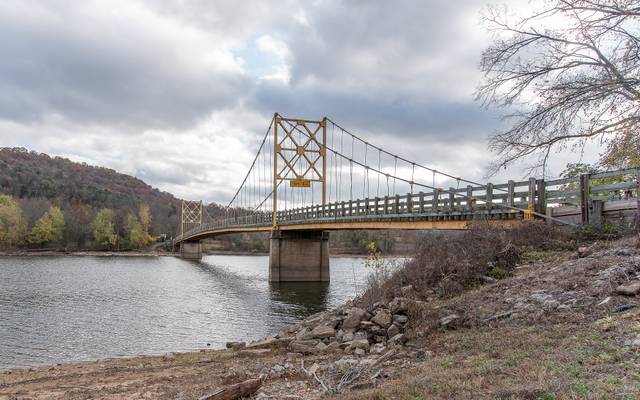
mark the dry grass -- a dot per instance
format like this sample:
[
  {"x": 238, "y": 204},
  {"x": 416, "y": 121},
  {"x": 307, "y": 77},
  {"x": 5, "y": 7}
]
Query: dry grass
[
  {"x": 448, "y": 264},
  {"x": 540, "y": 361}
]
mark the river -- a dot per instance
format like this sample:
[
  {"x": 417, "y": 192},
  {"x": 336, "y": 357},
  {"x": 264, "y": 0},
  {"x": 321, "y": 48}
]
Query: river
[{"x": 61, "y": 309}]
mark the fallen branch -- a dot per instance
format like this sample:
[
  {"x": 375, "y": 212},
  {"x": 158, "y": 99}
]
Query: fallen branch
[
  {"x": 324, "y": 386},
  {"x": 355, "y": 372},
  {"x": 236, "y": 391}
]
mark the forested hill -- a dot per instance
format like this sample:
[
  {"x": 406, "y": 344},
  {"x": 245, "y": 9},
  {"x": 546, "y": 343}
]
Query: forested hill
[{"x": 80, "y": 190}]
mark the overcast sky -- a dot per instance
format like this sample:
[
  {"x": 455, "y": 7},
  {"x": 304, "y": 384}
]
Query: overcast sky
[{"x": 178, "y": 93}]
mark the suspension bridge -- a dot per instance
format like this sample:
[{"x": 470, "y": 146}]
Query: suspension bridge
[{"x": 309, "y": 177}]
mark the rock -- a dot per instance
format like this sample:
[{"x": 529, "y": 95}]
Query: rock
[
  {"x": 360, "y": 335},
  {"x": 339, "y": 335},
  {"x": 267, "y": 343},
  {"x": 449, "y": 320},
  {"x": 359, "y": 352},
  {"x": 379, "y": 331},
  {"x": 488, "y": 279},
  {"x": 634, "y": 342},
  {"x": 345, "y": 363},
  {"x": 380, "y": 338},
  {"x": 393, "y": 330},
  {"x": 333, "y": 346},
  {"x": 277, "y": 369},
  {"x": 347, "y": 336},
  {"x": 407, "y": 291},
  {"x": 235, "y": 345},
  {"x": 365, "y": 325},
  {"x": 378, "y": 304},
  {"x": 583, "y": 251},
  {"x": 304, "y": 334},
  {"x": 624, "y": 252},
  {"x": 253, "y": 352},
  {"x": 605, "y": 301},
  {"x": 630, "y": 289},
  {"x": 400, "y": 319},
  {"x": 293, "y": 356},
  {"x": 624, "y": 307},
  {"x": 304, "y": 346},
  {"x": 354, "y": 316},
  {"x": 321, "y": 346},
  {"x": 377, "y": 348},
  {"x": 398, "y": 339},
  {"x": 398, "y": 305},
  {"x": 323, "y": 331},
  {"x": 360, "y": 344},
  {"x": 550, "y": 305},
  {"x": 313, "y": 369},
  {"x": 382, "y": 318}
]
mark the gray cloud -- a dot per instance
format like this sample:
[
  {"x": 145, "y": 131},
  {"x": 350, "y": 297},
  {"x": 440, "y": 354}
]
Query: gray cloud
[
  {"x": 179, "y": 92},
  {"x": 79, "y": 62}
]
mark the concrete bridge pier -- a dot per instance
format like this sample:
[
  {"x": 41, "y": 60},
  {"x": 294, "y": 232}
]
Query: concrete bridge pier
[
  {"x": 191, "y": 250},
  {"x": 299, "y": 256}
]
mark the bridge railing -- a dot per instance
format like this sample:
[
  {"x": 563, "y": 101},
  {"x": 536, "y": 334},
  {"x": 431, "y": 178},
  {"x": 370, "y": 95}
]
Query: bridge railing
[{"x": 581, "y": 197}]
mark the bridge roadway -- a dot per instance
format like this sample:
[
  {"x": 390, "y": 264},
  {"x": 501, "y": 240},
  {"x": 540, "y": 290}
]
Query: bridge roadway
[{"x": 299, "y": 238}]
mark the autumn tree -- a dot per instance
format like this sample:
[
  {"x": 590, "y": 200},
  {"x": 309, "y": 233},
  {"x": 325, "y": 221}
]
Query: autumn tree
[
  {"x": 103, "y": 229},
  {"x": 12, "y": 223},
  {"x": 138, "y": 236},
  {"x": 144, "y": 214},
  {"x": 567, "y": 73},
  {"x": 49, "y": 228}
]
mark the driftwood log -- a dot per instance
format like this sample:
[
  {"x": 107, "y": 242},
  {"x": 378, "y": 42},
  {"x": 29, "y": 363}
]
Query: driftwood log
[{"x": 236, "y": 391}]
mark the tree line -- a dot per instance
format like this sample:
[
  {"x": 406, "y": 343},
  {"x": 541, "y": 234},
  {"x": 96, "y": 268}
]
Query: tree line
[{"x": 55, "y": 229}]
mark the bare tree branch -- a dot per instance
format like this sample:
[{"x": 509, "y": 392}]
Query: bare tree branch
[{"x": 568, "y": 72}]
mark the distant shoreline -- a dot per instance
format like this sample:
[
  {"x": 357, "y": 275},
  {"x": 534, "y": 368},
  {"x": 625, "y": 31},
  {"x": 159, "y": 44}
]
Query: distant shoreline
[{"x": 90, "y": 253}]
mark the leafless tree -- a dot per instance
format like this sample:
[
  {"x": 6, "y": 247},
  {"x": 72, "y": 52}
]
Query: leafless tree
[{"x": 566, "y": 74}]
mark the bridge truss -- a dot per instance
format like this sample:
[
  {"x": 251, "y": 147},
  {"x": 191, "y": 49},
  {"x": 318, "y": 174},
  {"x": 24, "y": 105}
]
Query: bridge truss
[{"x": 310, "y": 174}]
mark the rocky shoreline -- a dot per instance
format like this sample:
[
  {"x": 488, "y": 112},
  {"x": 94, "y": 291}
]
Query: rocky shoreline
[{"x": 565, "y": 324}]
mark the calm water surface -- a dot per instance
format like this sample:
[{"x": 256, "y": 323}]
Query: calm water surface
[{"x": 61, "y": 309}]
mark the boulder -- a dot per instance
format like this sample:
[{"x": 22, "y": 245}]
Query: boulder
[
  {"x": 382, "y": 318},
  {"x": 630, "y": 289},
  {"x": 267, "y": 343},
  {"x": 235, "y": 345},
  {"x": 360, "y": 344},
  {"x": 354, "y": 316},
  {"x": 321, "y": 346},
  {"x": 333, "y": 346},
  {"x": 253, "y": 352},
  {"x": 359, "y": 352},
  {"x": 298, "y": 347},
  {"x": 407, "y": 291},
  {"x": 380, "y": 338},
  {"x": 377, "y": 348},
  {"x": 323, "y": 331},
  {"x": 393, "y": 330},
  {"x": 583, "y": 251},
  {"x": 304, "y": 334},
  {"x": 399, "y": 339},
  {"x": 398, "y": 305},
  {"x": 347, "y": 336},
  {"x": 449, "y": 320},
  {"x": 400, "y": 319}
]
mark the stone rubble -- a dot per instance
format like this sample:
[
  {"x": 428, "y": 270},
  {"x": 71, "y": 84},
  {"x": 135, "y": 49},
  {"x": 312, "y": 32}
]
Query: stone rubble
[{"x": 348, "y": 329}]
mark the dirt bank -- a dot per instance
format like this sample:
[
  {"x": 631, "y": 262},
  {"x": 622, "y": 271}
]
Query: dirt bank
[{"x": 559, "y": 328}]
